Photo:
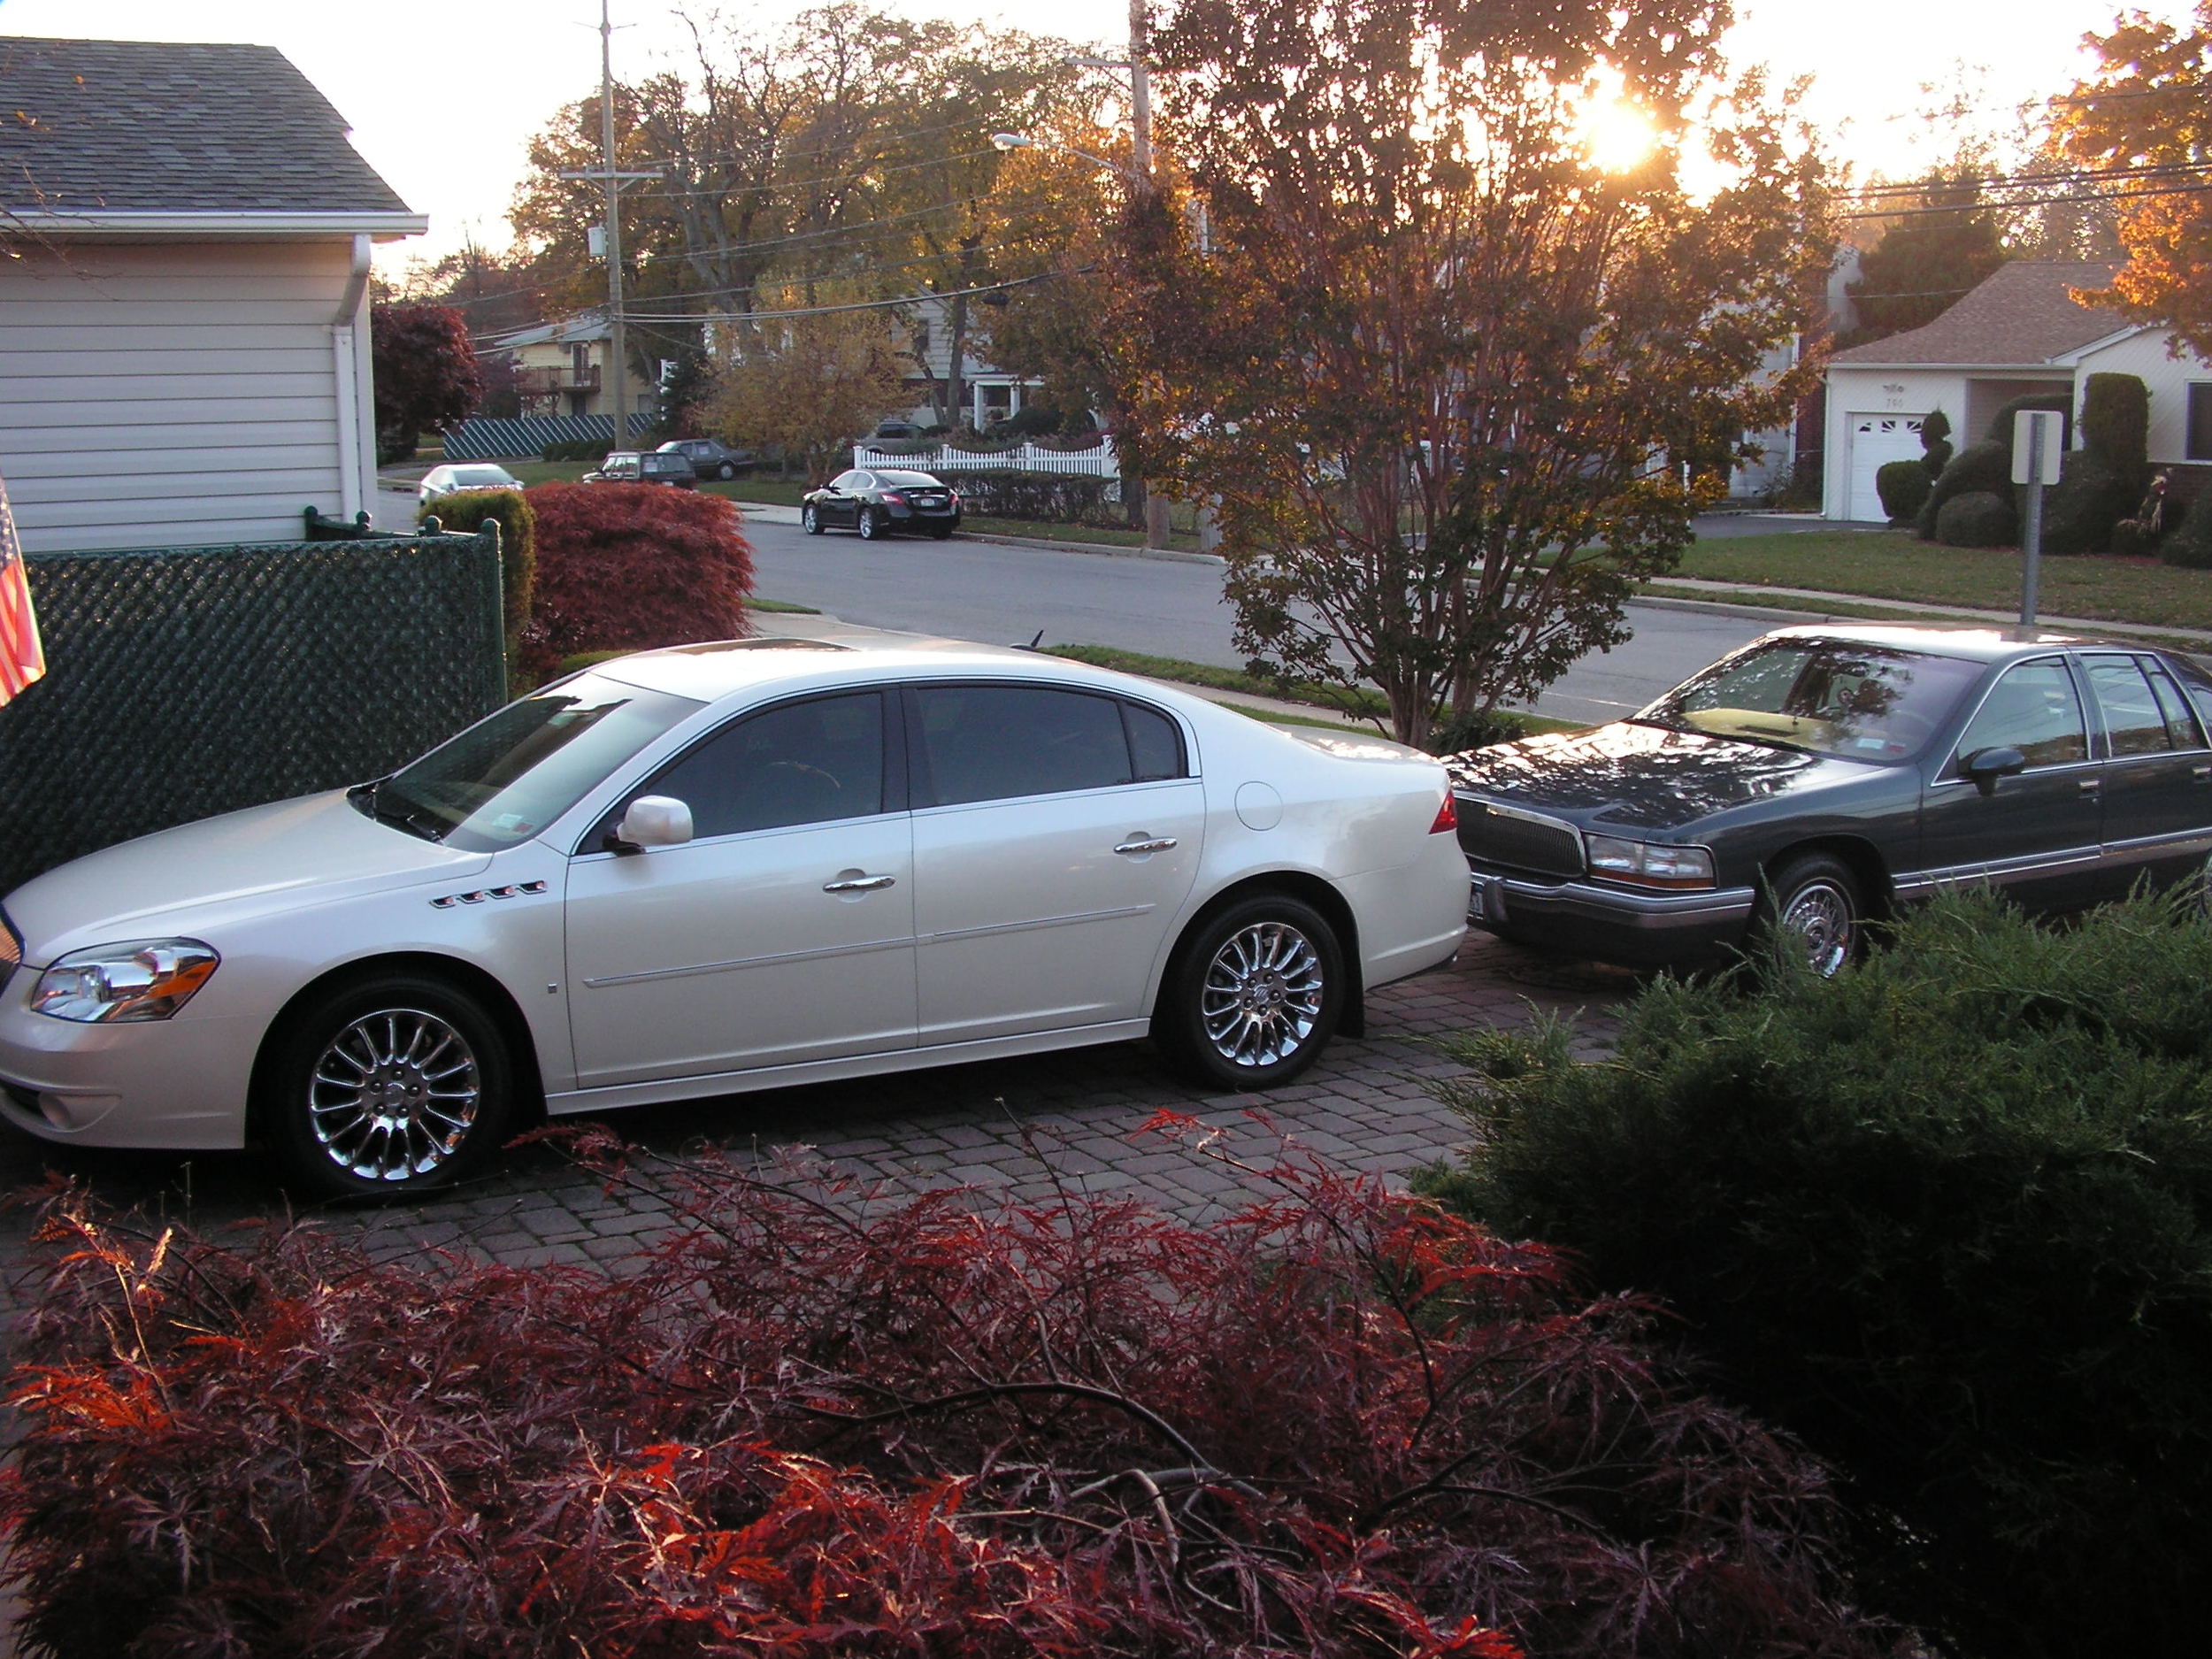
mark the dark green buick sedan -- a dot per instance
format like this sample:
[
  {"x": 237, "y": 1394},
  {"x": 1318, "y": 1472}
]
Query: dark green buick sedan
[{"x": 1821, "y": 777}]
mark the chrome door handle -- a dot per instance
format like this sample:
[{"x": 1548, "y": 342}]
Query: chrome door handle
[
  {"x": 858, "y": 884},
  {"x": 2090, "y": 785},
  {"x": 1157, "y": 844},
  {"x": 2200, "y": 771}
]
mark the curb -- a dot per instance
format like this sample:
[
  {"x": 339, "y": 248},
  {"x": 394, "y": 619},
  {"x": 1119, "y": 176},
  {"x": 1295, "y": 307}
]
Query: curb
[{"x": 1106, "y": 550}]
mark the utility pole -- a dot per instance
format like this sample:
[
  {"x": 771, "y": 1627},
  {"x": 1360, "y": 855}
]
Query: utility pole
[
  {"x": 618, "y": 347},
  {"x": 1155, "y": 507}
]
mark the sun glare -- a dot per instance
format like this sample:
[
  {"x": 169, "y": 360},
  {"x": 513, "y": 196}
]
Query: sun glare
[{"x": 1618, "y": 136}]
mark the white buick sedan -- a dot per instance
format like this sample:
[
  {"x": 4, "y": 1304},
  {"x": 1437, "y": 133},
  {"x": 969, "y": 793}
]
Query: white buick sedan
[{"x": 718, "y": 868}]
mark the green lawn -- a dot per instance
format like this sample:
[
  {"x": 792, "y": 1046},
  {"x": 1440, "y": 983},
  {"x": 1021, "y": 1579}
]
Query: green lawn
[{"x": 1892, "y": 564}]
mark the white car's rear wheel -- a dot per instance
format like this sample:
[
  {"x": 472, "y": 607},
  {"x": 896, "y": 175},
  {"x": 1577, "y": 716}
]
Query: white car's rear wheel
[
  {"x": 389, "y": 1087},
  {"x": 1254, "y": 995}
]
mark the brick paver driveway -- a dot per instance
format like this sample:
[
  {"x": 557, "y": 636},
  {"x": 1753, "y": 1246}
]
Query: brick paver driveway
[{"x": 1364, "y": 1106}]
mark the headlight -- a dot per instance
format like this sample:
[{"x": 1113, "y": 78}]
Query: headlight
[
  {"x": 1649, "y": 866},
  {"x": 144, "y": 979}
]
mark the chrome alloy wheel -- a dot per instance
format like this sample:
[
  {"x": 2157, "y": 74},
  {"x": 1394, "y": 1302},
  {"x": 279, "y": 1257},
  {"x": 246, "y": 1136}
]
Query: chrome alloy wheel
[
  {"x": 1263, "y": 995},
  {"x": 1819, "y": 918},
  {"x": 394, "y": 1095}
]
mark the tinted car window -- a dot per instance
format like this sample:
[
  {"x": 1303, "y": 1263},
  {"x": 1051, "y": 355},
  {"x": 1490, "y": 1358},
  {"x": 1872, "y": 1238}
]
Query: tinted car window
[
  {"x": 848, "y": 480},
  {"x": 1155, "y": 744},
  {"x": 2031, "y": 708},
  {"x": 908, "y": 480},
  {"x": 804, "y": 763},
  {"x": 1858, "y": 702},
  {"x": 2180, "y": 720},
  {"x": 2133, "y": 721},
  {"x": 995, "y": 743}
]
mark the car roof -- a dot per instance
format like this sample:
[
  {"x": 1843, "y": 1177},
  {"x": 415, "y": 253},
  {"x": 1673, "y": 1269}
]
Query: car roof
[
  {"x": 1986, "y": 643},
  {"x": 716, "y": 669}
]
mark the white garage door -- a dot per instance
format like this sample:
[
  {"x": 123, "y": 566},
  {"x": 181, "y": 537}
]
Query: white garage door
[{"x": 1877, "y": 440}]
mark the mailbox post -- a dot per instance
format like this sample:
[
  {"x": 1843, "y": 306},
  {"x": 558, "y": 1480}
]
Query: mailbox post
[{"x": 2039, "y": 440}]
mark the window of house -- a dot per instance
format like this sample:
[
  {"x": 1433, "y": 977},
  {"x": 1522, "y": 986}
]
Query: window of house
[{"x": 2200, "y": 420}]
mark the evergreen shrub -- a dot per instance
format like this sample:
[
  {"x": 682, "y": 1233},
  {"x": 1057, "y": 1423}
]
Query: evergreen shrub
[
  {"x": 592, "y": 449},
  {"x": 2115, "y": 425},
  {"x": 1980, "y": 517},
  {"x": 2081, "y": 510},
  {"x": 2188, "y": 545},
  {"x": 467, "y": 511},
  {"x": 2000, "y": 424},
  {"x": 1902, "y": 486},
  {"x": 1935, "y": 447},
  {"x": 1948, "y": 1217},
  {"x": 1985, "y": 466}
]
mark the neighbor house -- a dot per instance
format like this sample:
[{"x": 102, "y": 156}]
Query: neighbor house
[
  {"x": 561, "y": 368},
  {"x": 185, "y": 236},
  {"x": 2021, "y": 332}
]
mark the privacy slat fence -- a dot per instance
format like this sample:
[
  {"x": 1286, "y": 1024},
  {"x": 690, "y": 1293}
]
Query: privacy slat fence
[
  {"x": 488, "y": 440},
  {"x": 183, "y": 682}
]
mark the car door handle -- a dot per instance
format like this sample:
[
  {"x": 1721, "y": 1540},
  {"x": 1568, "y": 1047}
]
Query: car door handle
[
  {"x": 2200, "y": 773},
  {"x": 2090, "y": 785},
  {"x": 1155, "y": 844},
  {"x": 857, "y": 883}
]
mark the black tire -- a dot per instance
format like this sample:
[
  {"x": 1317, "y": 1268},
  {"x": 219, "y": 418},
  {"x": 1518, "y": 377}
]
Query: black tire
[
  {"x": 1253, "y": 995},
  {"x": 387, "y": 1087},
  {"x": 810, "y": 519},
  {"x": 871, "y": 524},
  {"x": 1814, "y": 901},
  {"x": 726, "y": 472}
]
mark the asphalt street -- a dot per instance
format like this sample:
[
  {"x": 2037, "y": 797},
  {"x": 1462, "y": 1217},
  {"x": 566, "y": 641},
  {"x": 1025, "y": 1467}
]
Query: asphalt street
[{"x": 1008, "y": 596}]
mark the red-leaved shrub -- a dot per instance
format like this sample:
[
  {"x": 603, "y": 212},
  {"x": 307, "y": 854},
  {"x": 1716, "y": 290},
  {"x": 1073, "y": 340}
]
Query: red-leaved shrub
[
  {"x": 815, "y": 1421},
  {"x": 632, "y": 566}
]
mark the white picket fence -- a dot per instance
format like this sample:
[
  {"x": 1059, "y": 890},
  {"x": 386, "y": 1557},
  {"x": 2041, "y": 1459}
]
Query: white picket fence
[{"x": 1099, "y": 463}]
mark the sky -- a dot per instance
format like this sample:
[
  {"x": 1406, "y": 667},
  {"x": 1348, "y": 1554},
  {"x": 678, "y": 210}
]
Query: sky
[{"x": 443, "y": 98}]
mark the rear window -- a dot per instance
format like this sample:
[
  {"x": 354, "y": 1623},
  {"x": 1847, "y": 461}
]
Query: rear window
[{"x": 923, "y": 479}]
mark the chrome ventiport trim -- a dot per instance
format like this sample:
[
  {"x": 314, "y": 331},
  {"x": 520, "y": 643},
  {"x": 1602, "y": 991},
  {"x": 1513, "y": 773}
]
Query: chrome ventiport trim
[{"x": 518, "y": 890}]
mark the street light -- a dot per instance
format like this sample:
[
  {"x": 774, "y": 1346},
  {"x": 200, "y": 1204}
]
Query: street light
[{"x": 1024, "y": 140}]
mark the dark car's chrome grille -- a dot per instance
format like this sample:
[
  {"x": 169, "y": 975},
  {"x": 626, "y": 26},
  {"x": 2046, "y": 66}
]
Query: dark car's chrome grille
[{"x": 1494, "y": 835}]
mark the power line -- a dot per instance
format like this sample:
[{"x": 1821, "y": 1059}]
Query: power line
[{"x": 858, "y": 305}]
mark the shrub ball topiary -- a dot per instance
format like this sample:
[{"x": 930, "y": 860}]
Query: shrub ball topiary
[
  {"x": 1935, "y": 448},
  {"x": 2000, "y": 424},
  {"x": 2115, "y": 425},
  {"x": 1978, "y": 466},
  {"x": 1902, "y": 486},
  {"x": 631, "y": 566},
  {"x": 2188, "y": 545},
  {"x": 1980, "y": 517},
  {"x": 466, "y": 510},
  {"x": 1947, "y": 1215},
  {"x": 2080, "y": 510}
]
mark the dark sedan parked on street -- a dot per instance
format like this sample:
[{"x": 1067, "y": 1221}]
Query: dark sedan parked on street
[
  {"x": 710, "y": 457},
  {"x": 1820, "y": 777},
  {"x": 876, "y": 502}
]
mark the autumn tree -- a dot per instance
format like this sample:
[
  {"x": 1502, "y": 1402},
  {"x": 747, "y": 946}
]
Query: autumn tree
[
  {"x": 808, "y": 382},
  {"x": 426, "y": 372},
  {"x": 2144, "y": 118},
  {"x": 1441, "y": 368}
]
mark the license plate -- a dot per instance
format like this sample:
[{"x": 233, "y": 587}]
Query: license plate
[{"x": 1486, "y": 900}]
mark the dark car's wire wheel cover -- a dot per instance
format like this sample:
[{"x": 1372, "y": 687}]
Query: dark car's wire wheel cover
[
  {"x": 1263, "y": 995},
  {"x": 394, "y": 1095}
]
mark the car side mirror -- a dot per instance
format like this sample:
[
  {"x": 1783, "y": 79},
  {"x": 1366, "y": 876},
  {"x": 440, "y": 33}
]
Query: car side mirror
[
  {"x": 652, "y": 820},
  {"x": 1985, "y": 766}
]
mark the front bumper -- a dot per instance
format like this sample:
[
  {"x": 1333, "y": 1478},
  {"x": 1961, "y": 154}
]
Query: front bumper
[{"x": 1610, "y": 924}]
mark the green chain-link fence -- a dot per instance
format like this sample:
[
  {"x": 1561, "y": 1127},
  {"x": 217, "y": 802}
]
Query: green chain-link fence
[{"x": 182, "y": 682}]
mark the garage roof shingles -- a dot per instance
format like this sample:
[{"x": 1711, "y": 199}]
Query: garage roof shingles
[
  {"x": 89, "y": 126},
  {"x": 2024, "y": 314}
]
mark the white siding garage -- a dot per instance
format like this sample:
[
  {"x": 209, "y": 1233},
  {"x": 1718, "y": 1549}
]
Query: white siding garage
[
  {"x": 1876, "y": 441},
  {"x": 179, "y": 394}
]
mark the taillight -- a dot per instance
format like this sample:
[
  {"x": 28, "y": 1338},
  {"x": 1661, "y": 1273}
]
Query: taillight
[
  {"x": 897, "y": 498},
  {"x": 1447, "y": 817}
]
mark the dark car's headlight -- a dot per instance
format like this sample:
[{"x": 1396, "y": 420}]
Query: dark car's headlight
[
  {"x": 143, "y": 979},
  {"x": 1648, "y": 865}
]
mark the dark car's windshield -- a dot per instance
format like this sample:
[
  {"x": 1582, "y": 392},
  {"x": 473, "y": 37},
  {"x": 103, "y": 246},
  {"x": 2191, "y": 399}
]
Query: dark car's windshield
[
  {"x": 1829, "y": 697},
  {"x": 506, "y": 778}
]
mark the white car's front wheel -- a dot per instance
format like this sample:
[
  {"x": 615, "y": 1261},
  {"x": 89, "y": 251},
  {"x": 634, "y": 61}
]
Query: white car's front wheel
[{"x": 387, "y": 1087}]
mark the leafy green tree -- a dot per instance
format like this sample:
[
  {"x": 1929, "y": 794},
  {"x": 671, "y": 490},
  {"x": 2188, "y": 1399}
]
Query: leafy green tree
[
  {"x": 1946, "y": 242},
  {"x": 1449, "y": 378}
]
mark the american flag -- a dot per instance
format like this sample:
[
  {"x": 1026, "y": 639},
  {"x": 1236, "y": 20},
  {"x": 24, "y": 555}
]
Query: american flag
[{"x": 22, "y": 660}]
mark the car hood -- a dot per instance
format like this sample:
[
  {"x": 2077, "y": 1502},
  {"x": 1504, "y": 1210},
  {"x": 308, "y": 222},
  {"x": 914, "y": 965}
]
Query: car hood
[
  {"x": 1641, "y": 777},
  {"x": 220, "y": 871}
]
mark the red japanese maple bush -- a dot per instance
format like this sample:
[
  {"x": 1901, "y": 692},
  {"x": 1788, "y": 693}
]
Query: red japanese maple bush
[
  {"x": 632, "y": 566},
  {"x": 817, "y": 1420}
]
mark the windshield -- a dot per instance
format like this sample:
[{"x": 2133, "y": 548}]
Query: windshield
[
  {"x": 506, "y": 778},
  {"x": 482, "y": 475},
  {"x": 1831, "y": 697}
]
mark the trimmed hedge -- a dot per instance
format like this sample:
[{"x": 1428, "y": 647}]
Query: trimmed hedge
[
  {"x": 2115, "y": 425},
  {"x": 2081, "y": 510},
  {"x": 1948, "y": 1216},
  {"x": 577, "y": 450},
  {"x": 2188, "y": 546},
  {"x": 632, "y": 566},
  {"x": 1984, "y": 466},
  {"x": 466, "y": 510},
  {"x": 1902, "y": 486},
  {"x": 2061, "y": 403},
  {"x": 1935, "y": 448},
  {"x": 1980, "y": 517}
]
